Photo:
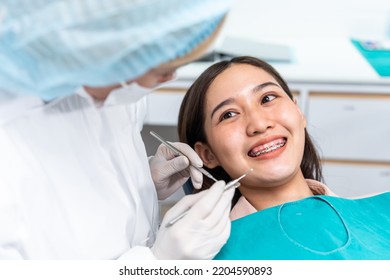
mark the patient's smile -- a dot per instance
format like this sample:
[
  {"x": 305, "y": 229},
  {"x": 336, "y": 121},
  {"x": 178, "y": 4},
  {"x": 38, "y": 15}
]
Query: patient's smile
[{"x": 267, "y": 148}]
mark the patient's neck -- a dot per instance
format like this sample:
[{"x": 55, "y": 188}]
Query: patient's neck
[{"x": 265, "y": 197}]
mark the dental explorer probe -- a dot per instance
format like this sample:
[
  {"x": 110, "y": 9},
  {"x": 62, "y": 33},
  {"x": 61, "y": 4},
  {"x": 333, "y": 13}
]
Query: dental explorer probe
[
  {"x": 179, "y": 153},
  {"x": 232, "y": 184}
]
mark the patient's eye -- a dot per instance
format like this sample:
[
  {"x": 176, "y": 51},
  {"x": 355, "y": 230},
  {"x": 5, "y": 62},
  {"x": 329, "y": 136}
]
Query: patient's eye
[
  {"x": 268, "y": 98},
  {"x": 227, "y": 115}
]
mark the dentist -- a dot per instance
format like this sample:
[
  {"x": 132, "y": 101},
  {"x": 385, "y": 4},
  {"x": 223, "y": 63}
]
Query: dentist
[{"x": 75, "y": 179}]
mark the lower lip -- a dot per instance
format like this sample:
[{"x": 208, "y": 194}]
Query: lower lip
[{"x": 271, "y": 155}]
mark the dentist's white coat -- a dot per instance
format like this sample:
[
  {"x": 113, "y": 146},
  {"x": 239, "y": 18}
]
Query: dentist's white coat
[{"x": 68, "y": 189}]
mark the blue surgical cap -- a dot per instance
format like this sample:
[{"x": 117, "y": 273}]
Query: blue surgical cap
[{"x": 50, "y": 47}]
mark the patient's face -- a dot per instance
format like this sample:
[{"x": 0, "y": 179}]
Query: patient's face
[{"x": 250, "y": 122}]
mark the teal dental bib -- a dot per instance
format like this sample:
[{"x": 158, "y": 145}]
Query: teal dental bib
[{"x": 314, "y": 228}]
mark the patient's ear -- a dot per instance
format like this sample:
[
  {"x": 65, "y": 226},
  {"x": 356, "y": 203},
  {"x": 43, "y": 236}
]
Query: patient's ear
[
  {"x": 303, "y": 117},
  {"x": 206, "y": 154}
]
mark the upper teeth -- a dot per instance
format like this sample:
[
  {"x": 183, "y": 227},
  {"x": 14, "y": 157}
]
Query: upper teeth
[{"x": 268, "y": 148}]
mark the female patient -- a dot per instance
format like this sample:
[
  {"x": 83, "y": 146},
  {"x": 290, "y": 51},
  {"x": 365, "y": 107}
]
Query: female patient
[{"x": 240, "y": 114}]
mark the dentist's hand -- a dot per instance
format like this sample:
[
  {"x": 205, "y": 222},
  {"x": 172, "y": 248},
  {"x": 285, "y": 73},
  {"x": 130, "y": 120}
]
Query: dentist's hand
[
  {"x": 202, "y": 232},
  {"x": 169, "y": 173}
]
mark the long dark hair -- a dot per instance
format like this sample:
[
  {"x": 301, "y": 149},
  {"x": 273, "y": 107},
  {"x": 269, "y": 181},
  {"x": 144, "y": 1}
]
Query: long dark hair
[{"x": 192, "y": 118}]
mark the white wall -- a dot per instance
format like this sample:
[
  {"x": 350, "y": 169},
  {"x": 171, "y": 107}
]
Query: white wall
[{"x": 272, "y": 19}]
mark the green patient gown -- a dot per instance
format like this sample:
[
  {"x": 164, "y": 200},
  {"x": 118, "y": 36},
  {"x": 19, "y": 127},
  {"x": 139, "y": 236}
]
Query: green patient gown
[{"x": 315, "y": 228}]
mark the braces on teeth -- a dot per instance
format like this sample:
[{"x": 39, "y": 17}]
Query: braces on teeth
[{"x": 271, "y": 148}]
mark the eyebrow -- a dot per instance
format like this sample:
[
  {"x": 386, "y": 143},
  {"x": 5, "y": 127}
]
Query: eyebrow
[{"x": 231, "y": 100}]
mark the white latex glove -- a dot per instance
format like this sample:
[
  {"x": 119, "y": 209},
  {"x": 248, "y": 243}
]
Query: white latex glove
[
  {"x": 169, "y": 173},
  {"x": 202, "y": 232}
]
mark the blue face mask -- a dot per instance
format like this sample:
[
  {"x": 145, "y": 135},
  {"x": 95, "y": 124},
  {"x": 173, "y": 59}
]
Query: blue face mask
[{"x": 53, "y": 48}]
